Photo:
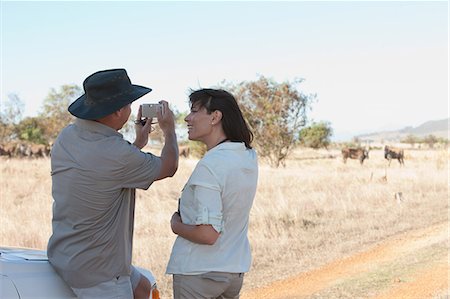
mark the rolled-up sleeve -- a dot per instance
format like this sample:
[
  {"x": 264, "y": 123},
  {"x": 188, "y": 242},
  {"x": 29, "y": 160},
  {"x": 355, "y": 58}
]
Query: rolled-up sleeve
[
  {"x": 207, "y": 194},
  {"x": 209, "y": 209}
]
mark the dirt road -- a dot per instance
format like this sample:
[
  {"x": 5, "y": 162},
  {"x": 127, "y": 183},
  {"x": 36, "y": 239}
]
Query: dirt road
[{"x": 410, "y": 265}]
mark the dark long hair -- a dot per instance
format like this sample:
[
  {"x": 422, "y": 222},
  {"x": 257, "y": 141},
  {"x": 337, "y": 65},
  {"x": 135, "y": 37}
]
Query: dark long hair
[{"x": 233, "y": 122}]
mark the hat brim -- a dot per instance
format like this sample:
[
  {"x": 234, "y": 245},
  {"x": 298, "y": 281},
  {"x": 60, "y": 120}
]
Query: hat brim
[{"x": 79, "y": 108}]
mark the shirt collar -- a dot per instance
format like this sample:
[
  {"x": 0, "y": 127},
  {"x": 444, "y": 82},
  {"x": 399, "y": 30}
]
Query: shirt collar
[
  {"x": 228, "y": 146},
  {"x": 95, "y": 126}
]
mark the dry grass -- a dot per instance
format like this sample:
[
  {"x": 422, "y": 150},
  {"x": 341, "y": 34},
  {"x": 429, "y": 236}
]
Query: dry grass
[{"x": 314, "y": 210}]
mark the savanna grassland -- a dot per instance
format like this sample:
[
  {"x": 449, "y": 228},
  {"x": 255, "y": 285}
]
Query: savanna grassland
[{"x": 313, "y": 211}]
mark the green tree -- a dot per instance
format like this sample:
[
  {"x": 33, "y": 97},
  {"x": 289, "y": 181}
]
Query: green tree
[
  {"x": 410, "y": 139},
  {"x": 54, "y": 111},
  {"x": 431, "y": 140},
  {"x": 275, "y": 113},
  {"x": 317, "y": 135},
  {"x": 12, "y": 109},
  {"x": 32, "y": 129},
  {"x": 10, "y": 115}
]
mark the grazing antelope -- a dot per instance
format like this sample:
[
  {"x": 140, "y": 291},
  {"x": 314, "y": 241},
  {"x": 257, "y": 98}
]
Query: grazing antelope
[
  {"x": 394, "y": 153},
  {"x": 355, "y": 153}
]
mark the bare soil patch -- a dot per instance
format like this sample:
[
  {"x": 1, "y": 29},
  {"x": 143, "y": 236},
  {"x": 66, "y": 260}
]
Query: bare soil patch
[{"x": 409, "y": 265}]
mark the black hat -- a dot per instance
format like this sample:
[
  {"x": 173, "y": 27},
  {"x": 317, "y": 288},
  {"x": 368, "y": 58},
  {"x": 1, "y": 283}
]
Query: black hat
[{"x": 104, "y": 93}]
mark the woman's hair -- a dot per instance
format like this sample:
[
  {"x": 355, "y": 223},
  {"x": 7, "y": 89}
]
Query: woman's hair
[{"x": 233, "y": 122}]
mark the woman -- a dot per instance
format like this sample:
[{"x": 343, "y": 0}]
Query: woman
[{"x": 212, "y": 251}]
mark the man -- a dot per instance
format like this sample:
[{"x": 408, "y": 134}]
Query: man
[{"x": 95, "y": 173}]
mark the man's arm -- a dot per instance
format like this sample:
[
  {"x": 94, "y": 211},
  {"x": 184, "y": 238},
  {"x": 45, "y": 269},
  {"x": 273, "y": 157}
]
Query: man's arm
[
  {"x": 169, "y": 156},
  {"x": 169, "y": 152}
]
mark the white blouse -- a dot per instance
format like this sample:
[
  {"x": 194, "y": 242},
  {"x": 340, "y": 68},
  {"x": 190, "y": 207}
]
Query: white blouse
[{"x": 220, "y": 192}]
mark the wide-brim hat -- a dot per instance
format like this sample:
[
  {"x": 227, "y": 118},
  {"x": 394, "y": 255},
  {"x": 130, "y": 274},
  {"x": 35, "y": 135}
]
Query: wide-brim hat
[{"x": 106, "y": 92}]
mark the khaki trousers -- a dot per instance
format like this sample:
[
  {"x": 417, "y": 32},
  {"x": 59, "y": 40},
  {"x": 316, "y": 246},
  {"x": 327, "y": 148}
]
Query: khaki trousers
[{"x": 209, "y": 285}]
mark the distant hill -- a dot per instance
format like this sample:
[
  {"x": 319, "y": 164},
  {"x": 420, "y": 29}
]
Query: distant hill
[{"x": 438, "y": 128}]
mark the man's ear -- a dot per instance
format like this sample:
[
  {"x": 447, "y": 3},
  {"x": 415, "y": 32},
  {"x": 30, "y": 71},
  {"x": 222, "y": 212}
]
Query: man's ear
[{"x": 120, "y": 111}]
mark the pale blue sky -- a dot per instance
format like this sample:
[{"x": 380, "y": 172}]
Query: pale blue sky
[{"x": 373, "y": 65}]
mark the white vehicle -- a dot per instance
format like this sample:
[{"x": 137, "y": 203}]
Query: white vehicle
[{"x": 26, "y": 273}]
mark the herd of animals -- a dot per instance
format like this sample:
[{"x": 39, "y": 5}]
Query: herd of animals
[
  {"x": 19, "y": 149},
  {"x": 390, "y": 153},
  {"x": 40, "y": 150},
  {"x": 33, "y": 150}
]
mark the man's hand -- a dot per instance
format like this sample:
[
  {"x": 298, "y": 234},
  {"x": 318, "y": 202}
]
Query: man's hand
[
  {"x": 166, "y": 119},
  {"x": 169, "y": 152},
  {"x": 142, "y": 131}
]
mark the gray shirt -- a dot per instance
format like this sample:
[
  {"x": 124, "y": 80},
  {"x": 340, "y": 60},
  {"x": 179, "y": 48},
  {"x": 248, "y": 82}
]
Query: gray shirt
[{"x": 94, "y": 176}]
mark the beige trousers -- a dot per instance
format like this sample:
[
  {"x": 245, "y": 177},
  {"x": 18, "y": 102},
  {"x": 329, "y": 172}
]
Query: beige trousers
[{"x": 209, "y": 285}]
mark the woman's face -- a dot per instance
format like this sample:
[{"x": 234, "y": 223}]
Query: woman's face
[{"x": 198, "y": 123}]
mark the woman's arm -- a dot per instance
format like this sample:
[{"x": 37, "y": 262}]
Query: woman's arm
[{"x": 200, "y": 234}]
